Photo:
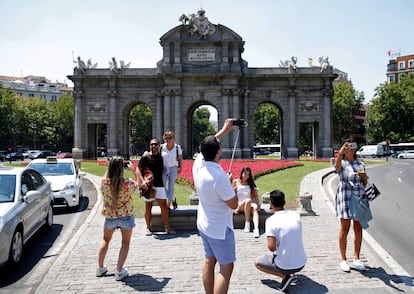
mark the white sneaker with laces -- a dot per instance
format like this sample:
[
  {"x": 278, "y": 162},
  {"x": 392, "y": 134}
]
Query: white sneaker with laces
[
  {"x": 247, "y": 227},
  {"x": 101, "y": 271},
  {"x": 121, "y": 274},
  {"x": 344, "y": 266},
  {"x": 256, "y": 233},
  {"x": 359, "y": 265}
]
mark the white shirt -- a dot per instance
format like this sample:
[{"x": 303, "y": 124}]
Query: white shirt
[
  {"x": 286, "y": 227},
  {"x": 169, "y": 157},
  {"x": 213, "y": 188},
  {"x": 243, "y": 192}
]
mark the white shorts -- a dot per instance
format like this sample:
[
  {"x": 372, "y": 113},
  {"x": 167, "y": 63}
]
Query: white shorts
[{"x": 161, "y": 194}]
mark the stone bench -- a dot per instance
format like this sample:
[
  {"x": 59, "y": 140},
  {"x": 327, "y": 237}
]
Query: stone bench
[{"x": 184, "y": 218}]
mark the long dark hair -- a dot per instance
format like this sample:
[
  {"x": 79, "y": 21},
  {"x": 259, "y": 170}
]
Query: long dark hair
[
  {"x": 250, "y": 180},
  {"x": 115, "y": 174}
]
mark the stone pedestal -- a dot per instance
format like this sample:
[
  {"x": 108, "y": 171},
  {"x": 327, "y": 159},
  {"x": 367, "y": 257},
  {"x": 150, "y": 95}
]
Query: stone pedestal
[
  {"x": 292, "y": 152},
  {"x": 305, "y": 204}
]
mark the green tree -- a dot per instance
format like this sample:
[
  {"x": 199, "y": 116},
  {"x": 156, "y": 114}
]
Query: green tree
[
  {"x": 267, "y": 124},
  {"x": 10, "y": 118},
  {"x": 201, "y": 126},
  {"x": 391, "y": 112},
  {"x": 62, "y": 114},
  {"x": 346, "y": 102},
  {"x": 141, "y": 127}
]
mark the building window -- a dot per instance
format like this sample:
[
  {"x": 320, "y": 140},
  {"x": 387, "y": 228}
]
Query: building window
[
  {"x": 54, "y": 98},
  {"x": 401, "y": 65},
  {"x": 391, "y": 78},
  {"x": 31, "y": 95},
  {"x": 411, "y": 63}
]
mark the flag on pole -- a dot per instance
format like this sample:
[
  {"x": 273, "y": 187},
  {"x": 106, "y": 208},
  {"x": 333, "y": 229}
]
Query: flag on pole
[{"x": 394, "y": 52}]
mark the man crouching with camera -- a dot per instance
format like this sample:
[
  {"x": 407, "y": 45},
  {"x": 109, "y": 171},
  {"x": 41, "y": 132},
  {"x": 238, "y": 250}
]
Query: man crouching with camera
[{"x": 215, "y": 212}]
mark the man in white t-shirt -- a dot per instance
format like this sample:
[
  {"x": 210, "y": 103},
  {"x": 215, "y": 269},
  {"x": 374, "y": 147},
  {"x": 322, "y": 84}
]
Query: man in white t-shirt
[
  {"x": 284, "y": 240},
  {"x": 215, "y": 212}
]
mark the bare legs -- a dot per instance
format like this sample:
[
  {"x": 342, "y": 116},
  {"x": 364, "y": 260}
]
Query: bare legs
[
  {"x": 247, "y": 206},
  {"x": 343, "y": 233},
  {"x": 221, "y": 284},
  {"x": 164, "y": 213},
  {"x": 123, "y": 251}
]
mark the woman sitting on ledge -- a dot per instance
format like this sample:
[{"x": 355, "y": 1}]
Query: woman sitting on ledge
[{"x": 246, "y": 191}]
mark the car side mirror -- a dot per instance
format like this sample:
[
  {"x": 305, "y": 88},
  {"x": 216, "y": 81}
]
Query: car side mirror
[{"x": 31, "y": 196}]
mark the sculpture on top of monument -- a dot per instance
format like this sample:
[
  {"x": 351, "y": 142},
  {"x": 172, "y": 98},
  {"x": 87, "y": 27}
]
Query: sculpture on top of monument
[
  {"x": 324, "y": 63},
  {"x": 123, "y": 64},
  {"x": 80, "y": 65},
  {"x": 289, "y": 64},
  {"x": 113, "y": 66},
  {"x": 198, "y": 23},
  {"x": 90, "y": 64}
]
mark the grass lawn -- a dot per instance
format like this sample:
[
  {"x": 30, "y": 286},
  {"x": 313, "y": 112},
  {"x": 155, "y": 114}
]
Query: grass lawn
[{"x": 287, "y": 180}]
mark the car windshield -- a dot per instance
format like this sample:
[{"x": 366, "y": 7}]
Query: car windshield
[
  {"x": 7, "y": 188},
  {"x": 53, "y": 169}
]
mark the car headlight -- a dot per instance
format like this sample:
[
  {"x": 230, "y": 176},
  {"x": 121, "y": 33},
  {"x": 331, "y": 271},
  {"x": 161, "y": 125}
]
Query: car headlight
[{"x": 70, "y": 185}]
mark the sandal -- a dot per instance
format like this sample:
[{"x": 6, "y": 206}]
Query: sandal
[
  {"x": 170, "y": 231},
  {"x": 148, "y": 232},
  {"x": 174, "y": 203}
]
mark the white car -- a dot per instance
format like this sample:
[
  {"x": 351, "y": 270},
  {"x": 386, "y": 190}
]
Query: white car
[
  {"x": 406, "y": 154},
  {"x": 65, "y": 177},
  {"x": 26, "y": 204}
]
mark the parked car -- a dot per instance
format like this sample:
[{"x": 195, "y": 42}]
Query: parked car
[
  {"x": 26, "y": 204},
  {"x": 406, "y": 154},
  {"x": 27, "y": 153},
  {"x": 33, "y": 154},
  {"x": 14, "y": 156},
  {"x": 65, "y": 177},
  {"x": 44, "y": 154}
]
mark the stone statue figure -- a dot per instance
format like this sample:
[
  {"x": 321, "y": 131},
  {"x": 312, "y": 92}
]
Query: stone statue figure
[
  {"x": 324, "y": 63},
  {"x": 113, "y": 65},
  {"x": 80, "y": 65},
  {"x": 90, "y": 64},
  {"x": 123, "y": 64},
  {"x": 198, "y": 23},
  {"x": 289, "y": 64}
]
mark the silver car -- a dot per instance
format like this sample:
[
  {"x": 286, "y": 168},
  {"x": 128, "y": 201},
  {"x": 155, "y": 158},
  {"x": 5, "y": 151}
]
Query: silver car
[
  {"x": 26, "y": 205},
  {"x": 406, "y": 154}
]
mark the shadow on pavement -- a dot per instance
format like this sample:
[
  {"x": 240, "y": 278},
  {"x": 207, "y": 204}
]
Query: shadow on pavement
[
  {"x": 141, "y": 282},
  {"x": 380, "y": 274},
  {"x": 303, "y": 285}
]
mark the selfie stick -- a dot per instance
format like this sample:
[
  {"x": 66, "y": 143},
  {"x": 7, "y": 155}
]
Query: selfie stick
[{"x": 234, "y": 150}]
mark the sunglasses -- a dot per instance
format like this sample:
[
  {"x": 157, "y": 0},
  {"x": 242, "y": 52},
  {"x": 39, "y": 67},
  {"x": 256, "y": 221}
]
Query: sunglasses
[
  {"x": 167, "y": 138},
  {"x": 154, "y": 144}
]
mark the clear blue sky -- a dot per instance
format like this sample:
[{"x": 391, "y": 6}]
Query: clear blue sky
[{"x": 38, "y": 37}]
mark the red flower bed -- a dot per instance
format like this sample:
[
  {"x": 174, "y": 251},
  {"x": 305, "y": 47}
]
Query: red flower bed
[{"x": 258, "y": 167}]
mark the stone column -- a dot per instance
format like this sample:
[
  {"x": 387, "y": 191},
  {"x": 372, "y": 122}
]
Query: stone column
[
  {"x": 222, "y": 116},
  {"x": 325, "y": 133},
  {"x": 113, "y": 136},
  {"x": 179, "y": 117},
  {"x": 78, "y": 151},
  {"x": 292, "y": 149},
  {"x": 167, "y": 111},
  {"x": 157, "y": 126}
]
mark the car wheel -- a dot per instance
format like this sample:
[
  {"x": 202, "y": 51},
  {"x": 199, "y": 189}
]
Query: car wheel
[
  {"x": 16, "y": 248},
  {"x": 49, "y": 217}
]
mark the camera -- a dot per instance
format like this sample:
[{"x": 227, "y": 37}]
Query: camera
[
  {"x": 239, "y": 122},
  {"x": 354, "y": 145}
]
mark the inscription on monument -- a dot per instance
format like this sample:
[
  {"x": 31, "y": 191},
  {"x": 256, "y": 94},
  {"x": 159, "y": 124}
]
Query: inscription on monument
[{"x": 202, "y": 55}]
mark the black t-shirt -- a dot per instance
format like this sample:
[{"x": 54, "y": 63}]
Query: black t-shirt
[{"x": 156, "y": 165}]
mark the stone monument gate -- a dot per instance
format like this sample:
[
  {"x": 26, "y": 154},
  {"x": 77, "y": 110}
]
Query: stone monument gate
[{"x": 201, "y": 64}]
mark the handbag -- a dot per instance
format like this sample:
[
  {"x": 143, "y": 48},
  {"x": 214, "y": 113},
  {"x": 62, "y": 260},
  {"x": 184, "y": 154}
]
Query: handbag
[{"x": 371, "y": 192}]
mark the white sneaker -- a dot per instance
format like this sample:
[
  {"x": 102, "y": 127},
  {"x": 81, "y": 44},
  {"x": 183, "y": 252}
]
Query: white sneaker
[
  {"x": 344, "y": 266},
  {"x": 121, "y": 274},
  {"x": 247, "y": 227},
  {"x": 101, "y": 271},
  {"x": 256, "y": 233},
  {"x": 359, "y": 265}
]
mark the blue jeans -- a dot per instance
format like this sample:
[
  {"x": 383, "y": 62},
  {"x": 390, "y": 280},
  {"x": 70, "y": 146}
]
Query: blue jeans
[{"x": 169, "y": 174}]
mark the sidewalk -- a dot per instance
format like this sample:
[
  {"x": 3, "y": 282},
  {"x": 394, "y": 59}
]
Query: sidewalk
[{"x": 173, "y": 263}]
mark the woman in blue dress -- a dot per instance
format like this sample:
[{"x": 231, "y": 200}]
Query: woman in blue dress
[{"x": 352, "y": 180}]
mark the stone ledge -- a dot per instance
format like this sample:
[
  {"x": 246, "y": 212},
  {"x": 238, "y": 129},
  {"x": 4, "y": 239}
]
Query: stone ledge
[{"x": 184, "y": 218}]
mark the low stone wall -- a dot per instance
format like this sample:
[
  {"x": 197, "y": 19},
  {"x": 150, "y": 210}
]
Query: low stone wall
[{"x": 184, "y": 218}]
